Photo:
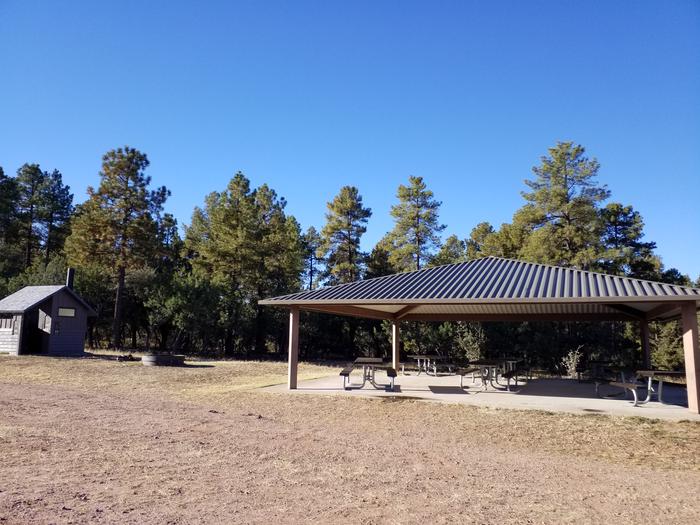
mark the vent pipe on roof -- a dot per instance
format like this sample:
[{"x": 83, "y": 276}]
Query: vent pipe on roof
[{"x": 70, "y": 275}]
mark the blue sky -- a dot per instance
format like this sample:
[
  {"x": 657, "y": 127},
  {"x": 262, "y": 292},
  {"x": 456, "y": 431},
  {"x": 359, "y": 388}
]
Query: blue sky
[{"x": 310, "y": 96}]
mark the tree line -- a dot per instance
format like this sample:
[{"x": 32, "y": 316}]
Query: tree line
[{"x": 198, "y": 292}]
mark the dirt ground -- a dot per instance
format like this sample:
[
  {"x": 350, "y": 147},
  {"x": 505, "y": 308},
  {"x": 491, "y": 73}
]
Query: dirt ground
[{"x": 100, "y": 441}]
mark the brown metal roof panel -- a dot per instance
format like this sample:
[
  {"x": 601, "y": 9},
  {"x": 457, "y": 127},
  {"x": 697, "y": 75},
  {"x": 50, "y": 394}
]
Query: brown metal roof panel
[
  {"x": 551, "y": 286},
  {"x": 520, "y": 270},
  {"x": 424, "y": 287},
  {"x": 467, "y": 275},
  {"x": 543, "y": 283},
  {"x": 442, "y": 287},
  {"x": 458, "y": 289},
  {"x": 494, "y": 285},
  {"x": 593, "y": 285},
  {"x": 521, "y": 289},
  {"x": 492, "y": 278},
  {"x": 361, "y": 289},
  {"x": 383, "y": 285},
  {"x": 480, "y": 278},
  {"x": 485, "y": 278},
  {"x": 506, "y": 279},
  {"x": 404, "y": 288},
  {"x": 436, "y": 278},
  {"x": 405, "y": 283}
]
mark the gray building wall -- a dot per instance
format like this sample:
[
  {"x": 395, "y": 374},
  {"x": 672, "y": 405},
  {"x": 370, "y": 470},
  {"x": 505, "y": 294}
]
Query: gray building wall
[
  {"x": 67, "y": 333},
  {"x": 9, "y": 336},
  {"x": 46, "y": 329}
]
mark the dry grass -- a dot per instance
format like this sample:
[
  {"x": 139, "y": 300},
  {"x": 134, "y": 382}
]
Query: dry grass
[
  {"x": 123, "y": 443},
  {"x": 200, "y": 379},
  {"x": 661, "y": 444}
]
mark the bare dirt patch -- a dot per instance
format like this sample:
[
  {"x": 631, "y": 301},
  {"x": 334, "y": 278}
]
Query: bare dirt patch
[{"x": 106, "y": 442}]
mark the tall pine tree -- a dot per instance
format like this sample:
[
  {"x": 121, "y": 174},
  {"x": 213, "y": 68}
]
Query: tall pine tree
[
  {"x": 625, "y": 251},
  {"x": 417, "y": 228},
  {"x": 562, "y": 209},
  {"x": 311, "y": 241},
  {"x": 55, "y": 210},
  {"x": 11, "y": 257},
  {"x": 245, "y": 244},
  {"x": 346, "y": 221},
  {"x": 118, "y": 226},
  {"x": 30, "y": 181}
]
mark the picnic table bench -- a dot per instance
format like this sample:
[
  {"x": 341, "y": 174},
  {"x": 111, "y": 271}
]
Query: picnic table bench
[
  {"x": 463, "y": 371},
  {"x": 632, "y": 386},
  {"x": 369, "y": 366},
  {"x": 513, "y": 375}
]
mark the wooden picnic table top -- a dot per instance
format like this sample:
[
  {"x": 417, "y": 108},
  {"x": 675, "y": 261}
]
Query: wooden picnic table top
[
  {"x": 511, "y": 359},
  {"x": 369, "y": 361},
  {"x": 652, "y": 373},
  {"x": 434, "y": 357}
]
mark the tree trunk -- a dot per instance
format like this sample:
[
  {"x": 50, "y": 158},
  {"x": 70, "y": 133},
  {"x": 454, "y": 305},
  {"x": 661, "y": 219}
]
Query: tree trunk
[
  {"x": 164, "y": 334},
  {"x": 28, "y": 252},
  {"x": 91, "y": 334},
  {"x": 49, "y": 238},
  {"x": 228, "y": 342},
  {"x": 260, "y": 322},
  {"x": 117, "y": 321}
]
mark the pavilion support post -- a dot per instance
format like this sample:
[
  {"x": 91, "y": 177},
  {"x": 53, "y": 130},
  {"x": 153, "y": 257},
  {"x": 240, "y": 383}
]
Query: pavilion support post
[
  {"x": 293, "y": 347},
  {"x": 691, "y": 349},
  {"x": 395, "y": 344},
  {"x": 644, "y": 338}
]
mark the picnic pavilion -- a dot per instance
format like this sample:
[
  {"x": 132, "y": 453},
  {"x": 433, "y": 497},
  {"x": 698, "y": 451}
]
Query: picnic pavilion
[{"x": 498, "y": 289}]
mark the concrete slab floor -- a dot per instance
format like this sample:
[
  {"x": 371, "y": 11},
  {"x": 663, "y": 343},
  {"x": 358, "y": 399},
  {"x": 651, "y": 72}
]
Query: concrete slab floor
[{"x": 554, "y": 395}]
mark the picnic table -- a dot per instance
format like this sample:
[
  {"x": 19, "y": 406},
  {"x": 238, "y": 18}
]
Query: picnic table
[
  {"x": 657, "y": 375},
  {"x": 369, "y": 367},
  {"x": 489, "y": 372},
  {"x": 633, "y": 385},
  {"x": 510, "y": 363},
  {"x": 426, "y": 362}
]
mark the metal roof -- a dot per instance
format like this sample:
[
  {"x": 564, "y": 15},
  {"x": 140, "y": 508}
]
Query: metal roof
[
  {"x": 495, "y": 287},
  {"x": 30, "y": 296}
]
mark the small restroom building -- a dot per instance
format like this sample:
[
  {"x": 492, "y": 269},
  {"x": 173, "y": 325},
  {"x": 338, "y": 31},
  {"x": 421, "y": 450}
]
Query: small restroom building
[{"x": 48, "y": 320}]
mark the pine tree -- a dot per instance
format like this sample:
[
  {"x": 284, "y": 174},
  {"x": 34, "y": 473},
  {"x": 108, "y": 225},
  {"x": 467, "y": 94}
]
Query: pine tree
[
  {"x": 452, "y": 251},
  {"x": 311, "y": 241},
  {"x": 625, "y": 252},
  {"x": 11, "y": 258},
  {"x": 340, "y": 238},
  {"x": 248, "y": 248},
  {"x": 55, "y": 210},
  {"x": 217, "y": 235},
  {"x": 562, "y": 209},
  {"x": 118, "y": 226},
  {"x": 277, "y": 260},
  {"x": 417, "y": 228},
  {"x": 8, "y": 202},
  {"x": 30, "y": 180},
  {"x": 481, "y": 240},
  {"x": 378, "y": 264}
]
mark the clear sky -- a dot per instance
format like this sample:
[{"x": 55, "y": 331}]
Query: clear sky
[{"x": 311, "y": 96}]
